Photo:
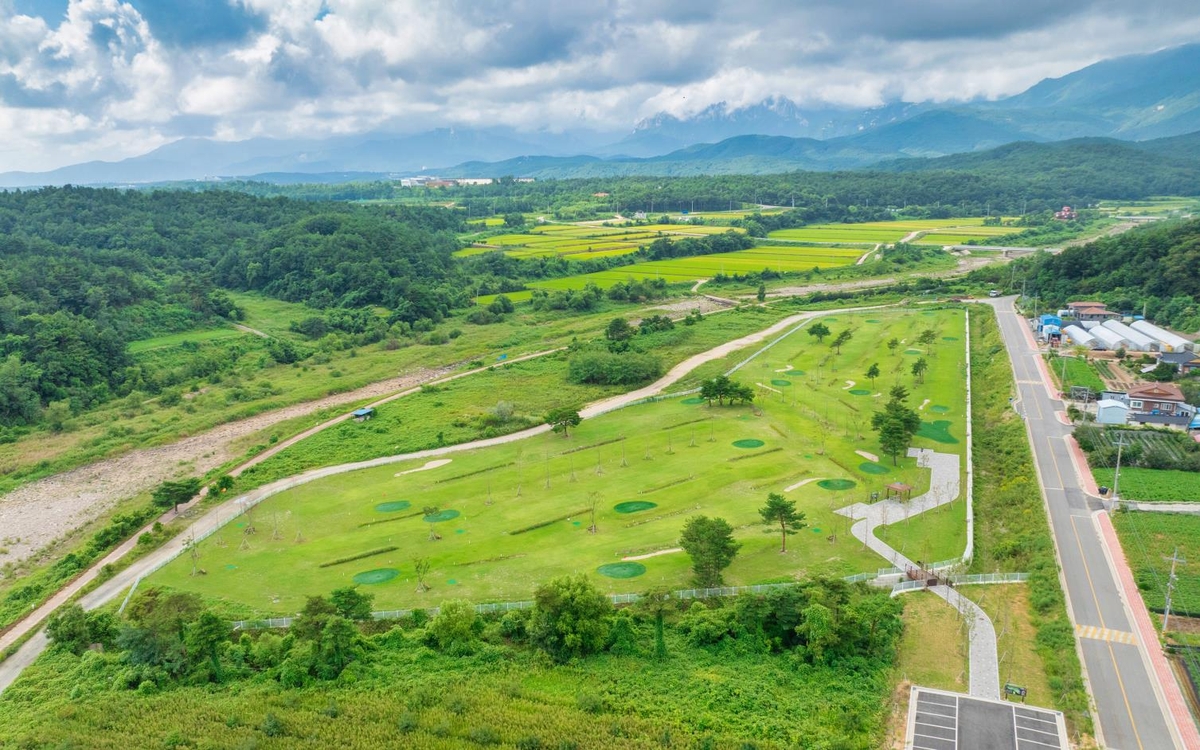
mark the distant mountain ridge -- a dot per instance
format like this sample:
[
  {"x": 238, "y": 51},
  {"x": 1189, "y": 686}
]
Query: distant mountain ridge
[{"x": 1133, "y": 97}]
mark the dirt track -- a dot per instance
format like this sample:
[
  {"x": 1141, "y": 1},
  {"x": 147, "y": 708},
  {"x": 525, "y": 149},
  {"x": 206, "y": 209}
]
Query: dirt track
[{"x": 35, "y": 515}]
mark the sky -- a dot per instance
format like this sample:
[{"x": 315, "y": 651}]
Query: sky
[{"x": 106, "y": 79}]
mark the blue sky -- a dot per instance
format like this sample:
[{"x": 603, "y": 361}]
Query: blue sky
[{"x": 107, "y": 79}]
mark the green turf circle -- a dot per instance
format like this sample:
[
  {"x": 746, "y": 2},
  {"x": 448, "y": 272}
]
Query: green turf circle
[
  {"x": 837, "y": 484},
  {"x": 621, "y": 570},
  {"x": 634, "y": 506},
  {"x": 938, "y": 431},
  {"x": 871, "y": 320},
  {"x": 748, "y": 443},
  {"x": 393, "y": 506},
  {"x": 441, "y": 515},
  {"x": 913, "y": 351},
  {"x": 378, "y": 575},
  {"x": 778, "y": 381},
  {"x": 859, "y": 392},
  {"x": 692, "y": 401},
  {"x": 794, "y": 372},
  {"x": 867, "y": 467},
  {"x": 939, "y": 409}
]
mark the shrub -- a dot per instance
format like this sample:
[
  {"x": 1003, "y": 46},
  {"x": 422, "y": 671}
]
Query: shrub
[
  {"x": 570, "y": 618},
  {"x": 607, "y": 368},
  {"x": 271, "y": 726},
  {"x": 456, "y": 626}
]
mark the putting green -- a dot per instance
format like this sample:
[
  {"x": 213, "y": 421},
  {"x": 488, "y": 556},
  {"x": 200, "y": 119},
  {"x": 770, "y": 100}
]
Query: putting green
[
  {"x": 949, "y": 338},
  {"x": 378, "y": 575},
  {"x": 794, "y": 372},
  {"x": 634, "y": 506},
  {"x": 777, "y": 381},
  {"x": 837, "y": 484},
  {"x": 816, "y": 530},
  {"x": 748, "y": 443},
  {"x": 939, "y": 409},
  {"x": 867, "y": 467},
  {"x": 913, "y": 351},
  {"x": 938, "y": 431},
  {"x": 441, "y": 515},
  {"x": 621, "y": 570},
  {"x": 859, "y": 392},
  {"x": 393, "y": 506},
  {"x": 692, "y": 401}
]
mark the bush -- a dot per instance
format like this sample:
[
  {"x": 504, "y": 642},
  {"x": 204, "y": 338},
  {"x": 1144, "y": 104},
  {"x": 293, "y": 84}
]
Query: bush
[
  {"x": 608, "y": 368},
  {"x": 455, "y": 627},
  {"x": 272, "y": 726},
  {"x": 570, "y": 618}
]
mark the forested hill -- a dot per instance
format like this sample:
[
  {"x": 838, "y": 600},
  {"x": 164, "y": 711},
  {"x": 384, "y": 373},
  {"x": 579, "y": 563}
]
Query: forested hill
[
  {"x": 84, "y": 271},
  {"x": 1156, "y": 266}
]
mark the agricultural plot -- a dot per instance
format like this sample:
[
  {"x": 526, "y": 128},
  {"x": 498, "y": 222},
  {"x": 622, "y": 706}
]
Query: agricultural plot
[
  {"x": 1148, "y": 539},
  {"x": 582, "y": 242},
  {"x": 680, "y": 270},
  {"x": 977, "y": 235},
  {"x": 1153, "y": 485},
  {"x": 495, "y": 521},
  {"x": 1155, "y": 206},
  {"x": 1078, "y": 372},
  {"x": 871, "y": 233}
]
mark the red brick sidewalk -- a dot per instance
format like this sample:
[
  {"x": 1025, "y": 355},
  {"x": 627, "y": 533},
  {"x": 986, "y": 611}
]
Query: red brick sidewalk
[
  {"x": 1079, "y": 458},
  {"x": 1176, "y": 704}
]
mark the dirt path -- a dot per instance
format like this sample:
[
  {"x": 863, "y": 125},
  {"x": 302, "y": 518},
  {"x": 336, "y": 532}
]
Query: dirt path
[{"x": 248, "y": 329}]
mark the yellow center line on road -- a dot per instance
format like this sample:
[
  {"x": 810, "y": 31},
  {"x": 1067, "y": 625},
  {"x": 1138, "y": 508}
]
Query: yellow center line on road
[{"x": 1111, "y": 654}]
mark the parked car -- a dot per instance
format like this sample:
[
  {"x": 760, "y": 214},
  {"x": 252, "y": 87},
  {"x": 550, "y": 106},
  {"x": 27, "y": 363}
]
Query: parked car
[{"x": 994, "y": 293}]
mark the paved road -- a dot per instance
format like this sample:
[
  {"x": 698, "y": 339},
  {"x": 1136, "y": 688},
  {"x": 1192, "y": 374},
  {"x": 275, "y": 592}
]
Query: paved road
[{"x": 1130, "y": 715}]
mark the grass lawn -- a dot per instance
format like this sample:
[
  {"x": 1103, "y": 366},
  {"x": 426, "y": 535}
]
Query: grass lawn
[
  {"x": 1148, "y": 540},
  {"x": 930, "y": 537},
  {"x": 1153, "y": 485},
  {"x": 933, "y": 650},
  {"x": 269, "y": 315},
  {"x": 1016, "y": 637},
  {"x": 176, "y": 339},
  {"x": 677, "y": 454}
]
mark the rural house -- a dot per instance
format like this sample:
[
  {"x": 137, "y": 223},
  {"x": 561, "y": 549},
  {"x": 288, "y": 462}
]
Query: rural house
[{"x": 1184, "y": 361}]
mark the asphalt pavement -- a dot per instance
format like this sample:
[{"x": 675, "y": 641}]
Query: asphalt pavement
[{"x": 1129, "y": 713}]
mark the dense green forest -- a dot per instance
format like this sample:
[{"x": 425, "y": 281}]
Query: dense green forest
[
  {"x": 86, "y": 271},
  {"x": 1155, "y": 269},
  {"x": 806, "y": 665}
]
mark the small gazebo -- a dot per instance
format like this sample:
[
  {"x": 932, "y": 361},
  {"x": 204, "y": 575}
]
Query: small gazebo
[{"x": 900, "y": 490}]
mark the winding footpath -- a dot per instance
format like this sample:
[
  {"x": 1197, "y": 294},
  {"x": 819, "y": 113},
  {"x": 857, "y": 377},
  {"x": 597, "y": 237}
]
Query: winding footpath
[
  {"x": 944, "y": 488},
  {"x": 217, "y": 516}
]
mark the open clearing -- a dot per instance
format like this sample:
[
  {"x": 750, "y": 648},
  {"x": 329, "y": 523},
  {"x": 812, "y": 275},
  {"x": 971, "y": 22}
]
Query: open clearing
[
  {"x": 514, "y": 514},
  {"x": 870, "y": 233},
  {"x": 586, "y": 242}
]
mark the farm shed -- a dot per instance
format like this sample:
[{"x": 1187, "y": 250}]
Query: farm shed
[
  {"x": 1049, "y": 320},
  {"x": 1112, "y": 412},
  {"x": 1081, "y": 337},
  {"x": 1139, "y": 342},
  {"x": 1172, "y": 342},
  {"x": 1109, "y": 339}
]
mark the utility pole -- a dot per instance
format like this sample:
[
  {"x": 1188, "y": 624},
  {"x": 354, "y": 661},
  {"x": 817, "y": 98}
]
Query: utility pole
[
  {"x": 1175, "y": 559},
  {"x": 1117, "y": 474}
]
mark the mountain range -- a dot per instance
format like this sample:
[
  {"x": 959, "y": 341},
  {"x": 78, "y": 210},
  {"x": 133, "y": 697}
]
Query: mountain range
[{"x": 1131, "y": 98}]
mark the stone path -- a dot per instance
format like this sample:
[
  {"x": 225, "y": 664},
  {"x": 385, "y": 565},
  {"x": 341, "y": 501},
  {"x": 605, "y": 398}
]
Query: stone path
[{"x": 944, "y": 488}]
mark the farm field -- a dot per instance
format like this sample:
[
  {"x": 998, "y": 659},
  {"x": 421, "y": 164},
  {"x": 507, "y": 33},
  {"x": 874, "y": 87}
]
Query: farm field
[
  {"x": 1078, "y": 372},
  {"x": 870, "y": 233},
  {"x": 979, "y": 235},
  {"x": 1149, "y": 538},
  {"x": 1153, "y": 485},
  {"x": 583, "y": 242},
  {"x": 514, "y": 514},
  {"x": 1155, "y": 206},
  {"x": 681, "y": 270}
]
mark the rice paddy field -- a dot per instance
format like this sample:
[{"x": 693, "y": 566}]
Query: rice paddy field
[
  {"x": 585, "y": 242},
  {"x": 509, "y": 516},
  {"x": 950, "y": 231},
  {"x": 680, "y": 270},
  {"x": 1154, "y": 206}
]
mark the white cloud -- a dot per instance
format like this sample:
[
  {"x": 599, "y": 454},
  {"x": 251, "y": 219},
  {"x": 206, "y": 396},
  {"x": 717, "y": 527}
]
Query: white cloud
[{"x": 99, "y": 82}]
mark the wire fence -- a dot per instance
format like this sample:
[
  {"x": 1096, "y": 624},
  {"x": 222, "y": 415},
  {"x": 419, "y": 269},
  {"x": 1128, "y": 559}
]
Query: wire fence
[{"x": 962, "y": 580}]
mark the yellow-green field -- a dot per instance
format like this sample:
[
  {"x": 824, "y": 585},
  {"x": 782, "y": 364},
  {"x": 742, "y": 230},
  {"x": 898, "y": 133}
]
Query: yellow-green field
[
  {"x": 1154, "y": 206},
  {"x": 583, "y": 242},
  {"x": 874, "y": 232},
  {"x": 980, "y": 235},
  {"x": 679, "y": 270}
]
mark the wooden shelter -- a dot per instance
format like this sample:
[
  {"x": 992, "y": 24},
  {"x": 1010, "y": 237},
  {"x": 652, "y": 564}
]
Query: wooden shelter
[{"x": 899, "y": 490}]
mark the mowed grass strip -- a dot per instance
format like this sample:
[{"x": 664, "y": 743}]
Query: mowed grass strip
[{"x": 541, "y": 487}]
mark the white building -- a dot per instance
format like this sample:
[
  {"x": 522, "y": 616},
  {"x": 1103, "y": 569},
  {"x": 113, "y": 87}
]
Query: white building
[
  {"x": 1138, "y": 342},
  {"x": 1109, "y": 339},
  {"x": 1171, "y": 342},
  {"x": 1112, "y": 412},
  {"x": 1081, "y": 337}
]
